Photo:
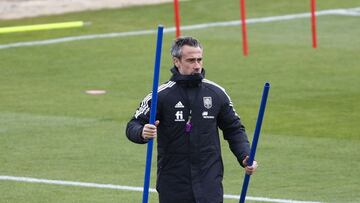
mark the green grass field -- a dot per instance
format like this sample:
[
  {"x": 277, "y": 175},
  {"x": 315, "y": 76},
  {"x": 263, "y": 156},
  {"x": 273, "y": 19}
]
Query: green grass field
[{"x": 51, "y": 129}]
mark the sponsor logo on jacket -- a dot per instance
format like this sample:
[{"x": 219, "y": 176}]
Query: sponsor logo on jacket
[
  {"x": 179, "y": 116},
  {"x": 205, "y": 115},
  {"x": 179, "y": 105}
]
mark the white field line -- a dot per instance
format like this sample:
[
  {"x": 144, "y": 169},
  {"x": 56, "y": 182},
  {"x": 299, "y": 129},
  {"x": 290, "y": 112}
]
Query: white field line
[
  {"x": 130, "y": 188},
  {"x": 348, "y": 12}
]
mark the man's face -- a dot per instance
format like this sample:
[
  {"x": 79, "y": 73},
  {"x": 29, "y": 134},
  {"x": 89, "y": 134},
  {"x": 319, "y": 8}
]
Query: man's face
[{"x": 191, "y": 60}]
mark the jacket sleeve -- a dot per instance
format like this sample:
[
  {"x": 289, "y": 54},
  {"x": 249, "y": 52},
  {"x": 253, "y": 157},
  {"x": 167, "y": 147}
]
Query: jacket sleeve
[
  {"x": 233, "y": 130},
  {"x": 136, "y": 124}
]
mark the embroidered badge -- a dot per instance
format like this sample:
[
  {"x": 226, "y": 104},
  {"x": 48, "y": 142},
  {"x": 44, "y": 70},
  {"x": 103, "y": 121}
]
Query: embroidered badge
[{"x": 207, "y": 102}]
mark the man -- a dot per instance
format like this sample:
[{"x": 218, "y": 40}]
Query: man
[{"x": 190, "y": 110}]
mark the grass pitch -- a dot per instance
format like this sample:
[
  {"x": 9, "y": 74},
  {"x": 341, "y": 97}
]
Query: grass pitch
[{"x": 50, "y": 128}]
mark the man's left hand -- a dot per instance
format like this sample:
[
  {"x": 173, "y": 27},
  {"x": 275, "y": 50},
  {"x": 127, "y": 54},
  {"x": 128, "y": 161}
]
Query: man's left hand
[{"x": 249, "y": 169}]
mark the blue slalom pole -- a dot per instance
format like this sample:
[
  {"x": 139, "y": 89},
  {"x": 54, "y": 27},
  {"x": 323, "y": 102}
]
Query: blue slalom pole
[
  {"x": 153, "y": 112},
  {"x": 255, "y": 139}
]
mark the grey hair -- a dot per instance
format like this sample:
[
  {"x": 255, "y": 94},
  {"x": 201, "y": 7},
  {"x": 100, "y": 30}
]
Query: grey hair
[{"x": 182, "y": 41}]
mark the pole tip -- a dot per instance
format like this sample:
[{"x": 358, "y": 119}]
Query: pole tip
[{"x": 267, "y": 84}]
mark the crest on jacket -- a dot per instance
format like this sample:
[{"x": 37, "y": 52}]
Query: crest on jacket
[{"x": 207, "y": 102}]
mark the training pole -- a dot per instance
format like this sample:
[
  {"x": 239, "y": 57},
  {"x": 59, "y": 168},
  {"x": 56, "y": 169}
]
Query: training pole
[
  {"x": 255, "y": 139},
  {"x": 243, "y": 27},
  {"x": 177, "y": 17},
  {"x": 313, "y": 23},
  {"x": 153, "y": 112}
]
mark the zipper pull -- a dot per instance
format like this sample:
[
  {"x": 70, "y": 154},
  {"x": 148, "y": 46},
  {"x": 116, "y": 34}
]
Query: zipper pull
[{"x": 188, "y": 125}]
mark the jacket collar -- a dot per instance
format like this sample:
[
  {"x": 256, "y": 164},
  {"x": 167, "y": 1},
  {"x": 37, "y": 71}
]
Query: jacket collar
[{"x": 187, "y": 80}]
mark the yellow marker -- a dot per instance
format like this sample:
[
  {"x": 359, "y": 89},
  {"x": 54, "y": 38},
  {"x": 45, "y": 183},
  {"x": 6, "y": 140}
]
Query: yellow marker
[{"x": 49, "y": 26}]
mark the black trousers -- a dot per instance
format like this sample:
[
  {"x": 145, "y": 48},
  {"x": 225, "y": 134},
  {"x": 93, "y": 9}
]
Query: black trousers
[
  {"x": 188, "y": 199},
  {"x": 166, "y": 198}
]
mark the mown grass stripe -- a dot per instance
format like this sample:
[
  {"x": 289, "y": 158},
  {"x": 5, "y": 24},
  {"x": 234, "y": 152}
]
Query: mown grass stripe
[{"x": 349, "y": 12}]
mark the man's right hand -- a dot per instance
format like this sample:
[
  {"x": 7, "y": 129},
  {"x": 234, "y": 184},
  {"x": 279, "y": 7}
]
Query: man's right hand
[{"x": 150, "y": 131}]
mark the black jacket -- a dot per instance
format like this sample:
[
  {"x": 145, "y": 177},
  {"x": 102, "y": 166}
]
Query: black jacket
[{"x": 190, "y": 167}]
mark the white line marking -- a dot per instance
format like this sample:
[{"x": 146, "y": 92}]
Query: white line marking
[
  {"x": 349, "y": 12},
  {"x": 130, "y": 188},
  {"x": 265, "y": 199},
  {"x": 77, "y": 38},
  {"x": 72, "y": 183}
]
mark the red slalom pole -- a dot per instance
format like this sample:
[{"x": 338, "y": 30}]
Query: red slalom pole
[
  {"x": 177, "y": 17},
  {"x": 243, "y": 26},
  {"x": 313, "y": 23}
]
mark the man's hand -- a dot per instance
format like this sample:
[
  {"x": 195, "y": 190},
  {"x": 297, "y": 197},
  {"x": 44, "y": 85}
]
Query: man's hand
[
  {"x": 249, "y": 169},
  {"x": 150, "y": 131}
]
